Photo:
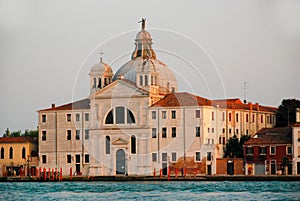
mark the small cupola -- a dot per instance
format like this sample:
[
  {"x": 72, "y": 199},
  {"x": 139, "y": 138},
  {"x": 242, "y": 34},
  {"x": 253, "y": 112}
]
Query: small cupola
[{"x": 101, "y": 75}]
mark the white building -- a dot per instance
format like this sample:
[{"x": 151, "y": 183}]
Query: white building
[
  {"x": 135, "y": 121},
  {"x": 296, "y": 144}
]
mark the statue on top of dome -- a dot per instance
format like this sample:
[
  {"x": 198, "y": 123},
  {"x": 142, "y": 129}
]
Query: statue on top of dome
[{"x": 143, "y": 21}]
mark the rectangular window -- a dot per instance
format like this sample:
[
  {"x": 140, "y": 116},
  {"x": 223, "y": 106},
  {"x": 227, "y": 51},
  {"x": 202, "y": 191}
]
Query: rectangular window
[
  {"x": 197, "y": 131},
  {"x": 249, "y": 151},
  {"x": 208, "y": 157},
  {"x": 164, "y": 114},
  {"x": 174, "y": 156},
  {"x": 212, "y": 130},
  {"x": 229, "y": 117},
  {"x": 44, "y": 159},
  {"x": 153, "y": 132},
  {"x": 86, "y": 116},
  {"x": 289, "y": 150},
  {"x": 272, "y": 150},
  {"x": 247, "y": 117},
  {"x": 262, "y": 150},
  {"x": 237, "y": 117},
  {"x": 69, "y": 134},
  {"x": 154, "y": 157},
  {"x": 87, "y": 134},
  {"x": 77, "y": 137},
  {"x": 268, "y": 119},
  {"x": 153, "y": 114},
  {"x": 229, "y": 130},
  {"x": 237, "y": 131},
  {"x": 220, "y": 140},
  {"x": 44, "y": 136},
  {"x": 198, "y": 156},
  {"x": 261, "y": 119},
  {"x": 164, "y": 157},
  {"x": 68, "y": 117},
  {"x": 247, "y": 131},
  {"x": 173, "y": 114},
  {"x": 197, "y": 114},
  {"x": 208, "y": 141},
  {"x": 77, "y": 156},
  {"x": 77, "y": 116},
  {"x": 86, "y": 158},
  {"x": 223, "y": 130},
  {"x": 173, "y": 131},
  {"x": 212, "y": 116},
  {"x": 253, "y": 118},
  {"x": 271, "y": 119},
  {"x": 69, "y": 158},
  {"x": 44, "y": 118},
  {"x": 208, "y": 129},
  {"x": 164, "y": 132},
  {"x": 224, "y": 140}
]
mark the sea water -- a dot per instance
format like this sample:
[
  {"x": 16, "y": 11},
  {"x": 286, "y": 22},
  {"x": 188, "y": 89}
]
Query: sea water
[{"x": 246, "y": 190}]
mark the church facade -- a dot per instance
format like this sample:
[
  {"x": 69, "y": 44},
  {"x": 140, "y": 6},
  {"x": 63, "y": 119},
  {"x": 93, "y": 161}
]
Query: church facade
[{"x": 135, "y": 122}]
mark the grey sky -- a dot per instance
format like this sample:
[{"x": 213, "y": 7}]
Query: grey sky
[{"x": 44, "y": 44}]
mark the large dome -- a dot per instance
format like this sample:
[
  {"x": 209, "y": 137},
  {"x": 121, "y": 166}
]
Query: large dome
[{"x": 166, "y": 78}]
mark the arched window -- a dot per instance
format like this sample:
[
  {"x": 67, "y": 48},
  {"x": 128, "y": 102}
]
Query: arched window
[
  {"x": 155, "y": 80},
  {"x": 133, "y": 144},
  {"x": 95, "y": 83},
  {"x": 110, "y": 117},
  {"x": 24, "y": 153},
  {"x": 151, "y": 80},
  {"x": 146, "y": 80},
  {"x": 105, "y": 81},
  {"x": 122, "y": 116},
  {"x": 107, "y": 145},
  {"x": 2, "y": 153},
  {"x": 11, "y": 153},
  {"x": 99, "y": 82},
  {"x": 141, "y": 80}
]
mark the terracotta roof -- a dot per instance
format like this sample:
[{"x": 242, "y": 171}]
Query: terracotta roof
[
  {"x": 82, "y": 104},
  {"x": 296, "y": 125},
  {"x": 187, "y": 99},
  {"x": 181, "y": 99},
  {"x": 282, "y": 135},
  {"x": 17, "y": 139}
]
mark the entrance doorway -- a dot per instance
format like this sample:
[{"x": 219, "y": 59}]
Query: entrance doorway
[
  {"x": 209, "y": 169},
  {"x": 120, "y": 162},
  {"x": 164, "y": 167},
  {"x": 230, "y": 167},
  {"x": 273, "y": 167}
]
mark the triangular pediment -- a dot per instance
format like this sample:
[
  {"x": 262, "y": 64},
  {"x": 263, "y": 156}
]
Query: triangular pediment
[
  {"x": 120, "y": 141},
  {"x": 120, "y": 89}
]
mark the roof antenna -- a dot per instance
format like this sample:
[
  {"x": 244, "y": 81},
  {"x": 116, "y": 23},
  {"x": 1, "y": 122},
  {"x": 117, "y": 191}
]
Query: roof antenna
[{"x": 245, "y": 89}]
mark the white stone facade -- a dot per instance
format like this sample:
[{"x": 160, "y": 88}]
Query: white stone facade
[{"x": 125, "y": 127}]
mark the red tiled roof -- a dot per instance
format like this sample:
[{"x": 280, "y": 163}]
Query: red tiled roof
[
  {"x": 282, "y": 135},
  {"x": 187, "y": 99},
  {"x": 17, "y": 139},
  {"x": 181, "y": 99},
  {"x": 82, "y": 104}
]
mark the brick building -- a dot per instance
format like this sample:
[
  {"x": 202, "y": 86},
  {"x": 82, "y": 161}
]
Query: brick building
[{"x": 269, "y": 152}]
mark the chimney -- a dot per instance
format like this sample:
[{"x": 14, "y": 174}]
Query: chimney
[
  {"x": 298, "y": 115},
  {"x": 53, "y": 105},
  {"x": 257, "y": 106},
  {"x": 250, "y": 105}
]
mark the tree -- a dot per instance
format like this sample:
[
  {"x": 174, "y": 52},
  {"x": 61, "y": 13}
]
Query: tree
[
  {"x": 30, "y": 133},
  {"x": 15, "y": 133},
  {"x": 286, "y": 113},
  {"x": 234, "y": 146}
]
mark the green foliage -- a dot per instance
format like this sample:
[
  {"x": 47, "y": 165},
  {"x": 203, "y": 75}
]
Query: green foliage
[
  {"x": 27, "y": 133},
  {"x": 234, "y": 146},
  {"x": 286, "y": 113}
]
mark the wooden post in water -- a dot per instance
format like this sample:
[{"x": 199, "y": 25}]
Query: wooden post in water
[
  {"x": 52, "y": 174},
  {"x": 160, "y": 173},
  {"x": 21, "y": 172},
  {"x": 71, "y": 173},
  {"x": 154, "y": 173},
  {"x": 169, "y": 173},
  {"x": 45, "y": 174},
  {"x": 60, "y": 175}
]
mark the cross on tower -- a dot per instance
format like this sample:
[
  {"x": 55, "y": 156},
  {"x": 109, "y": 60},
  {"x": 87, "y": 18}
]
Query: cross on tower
[{"x": 101, "y": 53}]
